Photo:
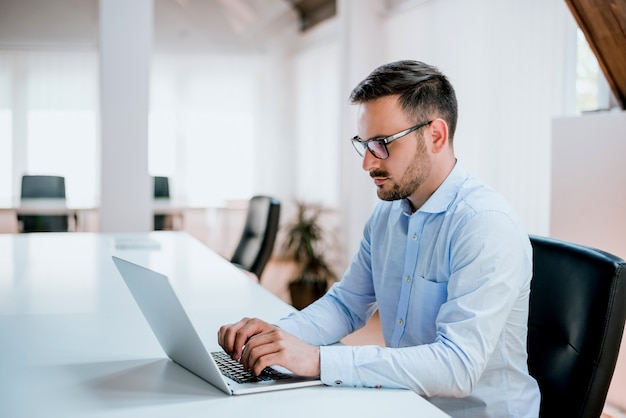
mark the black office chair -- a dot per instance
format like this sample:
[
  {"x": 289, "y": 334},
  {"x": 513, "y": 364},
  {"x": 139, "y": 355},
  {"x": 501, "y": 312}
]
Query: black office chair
[
  {"x": 161, "y": 191},
  {"x": 259, "y": 235},
  {"x": 43, "y": 187},
  {"x": 576, "y": 322}
]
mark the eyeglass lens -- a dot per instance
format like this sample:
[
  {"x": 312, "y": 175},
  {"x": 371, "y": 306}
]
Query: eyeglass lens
[{"x": 376, "y": 147}]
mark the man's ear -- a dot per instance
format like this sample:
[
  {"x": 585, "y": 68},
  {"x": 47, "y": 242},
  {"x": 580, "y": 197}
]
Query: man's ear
[{"x": 439, "y": 134}]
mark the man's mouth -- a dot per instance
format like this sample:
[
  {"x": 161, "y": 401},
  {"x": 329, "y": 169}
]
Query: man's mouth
[
  {"x": 379, "y": 177},
  {"x": 378, "y": 181}
]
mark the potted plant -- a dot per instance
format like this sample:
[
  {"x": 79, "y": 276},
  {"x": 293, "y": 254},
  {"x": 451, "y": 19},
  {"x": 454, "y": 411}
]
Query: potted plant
[{"x": 304, "y": 243}]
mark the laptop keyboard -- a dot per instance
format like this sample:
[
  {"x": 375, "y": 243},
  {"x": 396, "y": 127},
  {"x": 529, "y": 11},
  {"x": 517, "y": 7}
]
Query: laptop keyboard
[{"x": 234, "y": 370}]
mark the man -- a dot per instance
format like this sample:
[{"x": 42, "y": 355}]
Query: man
[{"x": 443, "y": 258}]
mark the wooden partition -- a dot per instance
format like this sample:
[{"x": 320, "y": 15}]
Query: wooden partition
[{"x": 588, "y": 202}]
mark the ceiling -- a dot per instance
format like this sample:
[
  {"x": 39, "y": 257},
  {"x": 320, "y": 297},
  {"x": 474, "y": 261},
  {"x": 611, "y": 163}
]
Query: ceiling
[
  {"x": 221, "y": 24},
  {"x": 312, "y": 12},
  {"x": 179, "y": 24}
]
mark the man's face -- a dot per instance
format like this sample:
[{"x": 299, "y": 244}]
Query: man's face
[{"x": 408, "y": 165}]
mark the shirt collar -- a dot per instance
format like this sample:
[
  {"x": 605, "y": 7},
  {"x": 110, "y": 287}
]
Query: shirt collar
[{"x": 441, "y": 199}]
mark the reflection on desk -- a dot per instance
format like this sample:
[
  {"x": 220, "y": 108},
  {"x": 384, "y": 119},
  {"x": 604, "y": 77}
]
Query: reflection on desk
[{"x": 74, "y": 343}]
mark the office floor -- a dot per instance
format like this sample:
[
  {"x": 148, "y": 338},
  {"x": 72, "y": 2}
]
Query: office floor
[
  {"x": 276, "y": 278},
  {"x": 610, "y": 412}
]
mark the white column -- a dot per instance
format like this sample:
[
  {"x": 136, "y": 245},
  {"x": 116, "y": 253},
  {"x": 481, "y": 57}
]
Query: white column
[
  {"x": 125, "y": 51},
  {"x": 361, "y": 51}
]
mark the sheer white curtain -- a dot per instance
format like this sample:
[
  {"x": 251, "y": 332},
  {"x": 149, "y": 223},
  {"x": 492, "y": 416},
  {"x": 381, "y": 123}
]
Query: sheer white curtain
[
  {"x": 202, "y": 125},
  {"x": 317, "y": 108},
  {"x": 6, "y": 129},
  {"x": 48, "y": 120}
]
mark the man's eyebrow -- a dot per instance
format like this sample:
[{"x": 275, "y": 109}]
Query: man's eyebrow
[{"x": 375, "y": 137}]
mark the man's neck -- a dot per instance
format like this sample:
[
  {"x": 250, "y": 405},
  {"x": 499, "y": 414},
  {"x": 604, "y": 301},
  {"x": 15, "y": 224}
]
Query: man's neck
[{"x": 421, "y": 196}]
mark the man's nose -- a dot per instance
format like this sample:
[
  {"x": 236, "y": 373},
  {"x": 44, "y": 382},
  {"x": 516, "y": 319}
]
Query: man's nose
[{"x": 370, "y": 162}]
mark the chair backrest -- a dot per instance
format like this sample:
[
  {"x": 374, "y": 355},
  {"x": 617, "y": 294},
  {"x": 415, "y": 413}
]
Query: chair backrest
[
  {"x": 161, "y": 191},
  {"x": 161, "y": 187},
  {"x": 42, "y": 187},
  {"x": 259, "y": 234},
  {"x": 576, "y": 322}
]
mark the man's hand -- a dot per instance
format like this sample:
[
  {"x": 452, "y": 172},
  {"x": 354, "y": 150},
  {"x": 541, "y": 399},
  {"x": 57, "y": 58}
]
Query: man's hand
[{"x": 257, "y": 345}]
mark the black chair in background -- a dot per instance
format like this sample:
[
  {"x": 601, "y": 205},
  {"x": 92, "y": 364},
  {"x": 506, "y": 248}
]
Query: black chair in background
[
  {"x": 161, "y": 191},
  {"x": 257, "y": 240},
  {"x": 576, "y": 322},
  {"x": 43, "y": 187}
]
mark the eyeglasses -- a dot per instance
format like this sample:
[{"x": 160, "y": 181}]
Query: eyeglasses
[{"x": 378, "y": 146}]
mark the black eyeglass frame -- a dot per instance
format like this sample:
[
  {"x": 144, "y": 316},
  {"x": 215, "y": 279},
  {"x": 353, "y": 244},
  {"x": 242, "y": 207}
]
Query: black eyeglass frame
[{"x": 360, "y": 146}]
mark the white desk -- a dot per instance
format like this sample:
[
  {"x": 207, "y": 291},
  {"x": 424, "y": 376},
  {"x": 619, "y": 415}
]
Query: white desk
[
  {"x": 73, "y": 343},
  {"x": 178, "y": 210},
  {"x": 84, "y": 215}
]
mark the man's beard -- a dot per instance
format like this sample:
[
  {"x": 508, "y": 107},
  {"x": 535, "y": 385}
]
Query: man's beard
[{"x": 411, "y": 180}]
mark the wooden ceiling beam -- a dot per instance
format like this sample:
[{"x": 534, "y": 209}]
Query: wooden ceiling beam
[{"x": 604, "y": 24}]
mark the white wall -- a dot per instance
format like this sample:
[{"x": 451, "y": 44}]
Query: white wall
[{"x": 508, "y": 62}]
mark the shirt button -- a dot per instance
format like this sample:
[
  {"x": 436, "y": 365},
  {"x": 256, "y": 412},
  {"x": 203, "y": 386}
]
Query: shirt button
[
  {"x": 407, "y": 279},
  {"x": 400, "y": 322},
  {"x": 414, "y": 237}
]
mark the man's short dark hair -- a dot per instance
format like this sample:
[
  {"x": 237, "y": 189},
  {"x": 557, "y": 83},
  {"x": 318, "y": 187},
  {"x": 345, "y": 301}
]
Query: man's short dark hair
[{"x": 424, "y": 92}]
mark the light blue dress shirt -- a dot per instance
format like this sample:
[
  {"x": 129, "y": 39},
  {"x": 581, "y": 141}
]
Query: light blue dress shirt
[{"x": 451, "y": 282}]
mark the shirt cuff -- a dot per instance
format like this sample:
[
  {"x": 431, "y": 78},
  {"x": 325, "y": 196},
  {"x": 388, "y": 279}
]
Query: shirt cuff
[{"x": 337, "y": 366}]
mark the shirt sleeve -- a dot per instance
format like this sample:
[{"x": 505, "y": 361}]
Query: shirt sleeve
[
  {"x": 345, "y": 308},
  {"x": 489, "y": 265}
]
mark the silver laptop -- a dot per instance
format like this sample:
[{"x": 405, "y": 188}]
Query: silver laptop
[{"x": 181, "y": 342}]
